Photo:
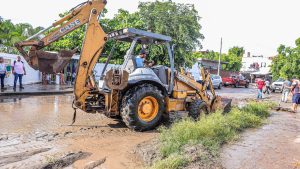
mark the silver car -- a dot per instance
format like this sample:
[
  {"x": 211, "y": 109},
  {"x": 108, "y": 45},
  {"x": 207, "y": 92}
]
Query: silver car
[
  {"x": 277, "y": 85},
  {"x": 216, "y": 81}
]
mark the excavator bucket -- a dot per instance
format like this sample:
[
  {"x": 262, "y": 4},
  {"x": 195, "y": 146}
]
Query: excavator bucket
[
  {"x": 48, "y": 62},
  {"x": 219, "y": 103}
]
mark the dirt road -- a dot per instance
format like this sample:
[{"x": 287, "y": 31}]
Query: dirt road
[
  {"x": 275, "y": 145},
  {"x": 34, "y": 133}
]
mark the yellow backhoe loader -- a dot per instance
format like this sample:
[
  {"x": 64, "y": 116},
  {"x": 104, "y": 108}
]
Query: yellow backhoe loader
[{"x": 141, "y": 96}]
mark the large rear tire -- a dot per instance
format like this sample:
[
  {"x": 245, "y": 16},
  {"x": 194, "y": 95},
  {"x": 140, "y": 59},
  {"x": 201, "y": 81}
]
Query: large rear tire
[
  {"x": 143, "y": 107},
  {"x": 197, "y": 108}
]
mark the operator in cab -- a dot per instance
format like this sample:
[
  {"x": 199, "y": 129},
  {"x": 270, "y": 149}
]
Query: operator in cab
[{"x": 141, "y": 61}]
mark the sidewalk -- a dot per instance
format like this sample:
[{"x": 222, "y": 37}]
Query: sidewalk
[{"x": 38, "y": 89}]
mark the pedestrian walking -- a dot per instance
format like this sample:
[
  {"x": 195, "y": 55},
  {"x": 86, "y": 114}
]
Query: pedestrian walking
[
  {"x": 2, "y": 72},
  {"x": 18, "y": 70},
  {"x": 62, "y": 78},
  {"x": 268, "y": 88},
  {"x": 73, "y": 77},
  {"x": 69, "y": 75},
  {"x": 260, "y": 85},
  {"x": 73, "y": 73},
  {"x": 286, "y": 90},
  {"x": 296, "y": 95}
]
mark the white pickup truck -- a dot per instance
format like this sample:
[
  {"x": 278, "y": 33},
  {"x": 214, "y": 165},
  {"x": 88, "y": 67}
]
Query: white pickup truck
[{"x": 277, "y": 85}]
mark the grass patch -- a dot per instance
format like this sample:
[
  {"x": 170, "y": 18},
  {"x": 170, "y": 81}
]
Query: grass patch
[
  {"x": 211, "y": 131},
  {"x": 171, "y": 162}
]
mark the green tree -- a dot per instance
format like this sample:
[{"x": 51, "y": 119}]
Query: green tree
[
  {"x": 180, "y": 21},
  {"x": 287, "y": 63},
  {"x": 234, "y": 58},
  {"x": 11, "y": 33}
]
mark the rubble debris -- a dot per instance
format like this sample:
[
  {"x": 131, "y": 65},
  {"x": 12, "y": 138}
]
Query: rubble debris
[
  {"x": 95, "y": 164},
  {"x": 7, "y": 159},
  {"x": 64, "y": 161}
]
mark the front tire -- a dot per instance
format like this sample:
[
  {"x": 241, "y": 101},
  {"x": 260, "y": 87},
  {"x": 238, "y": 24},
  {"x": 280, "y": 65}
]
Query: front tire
[
  {"x": 143, "y": 107},
  {"x": 197, "y": 108},
  {"x": 220, "y": 86}
]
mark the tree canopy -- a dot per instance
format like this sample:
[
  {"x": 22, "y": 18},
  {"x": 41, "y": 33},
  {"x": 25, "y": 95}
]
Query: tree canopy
[
  {"x": 287, "y": 63},
  {"x": 180, "y": 21},
  {"x": 11, "y": 33}
]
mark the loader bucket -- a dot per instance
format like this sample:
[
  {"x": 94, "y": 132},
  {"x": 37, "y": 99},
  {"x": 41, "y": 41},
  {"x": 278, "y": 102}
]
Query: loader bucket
[
  {"x": 52, "y": 63},
  {"x": 223, "y": 104}
]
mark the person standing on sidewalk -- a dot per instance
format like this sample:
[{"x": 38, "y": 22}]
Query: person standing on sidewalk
[
  {"x": 260, "y": 85},
  {"x": 18, "y": 70},
  {"x": 286, "y": 90},
  {"x": 268, "y": 88},
  {"x": 296, "y": 94},
  {"x": 2, "y": 72}
]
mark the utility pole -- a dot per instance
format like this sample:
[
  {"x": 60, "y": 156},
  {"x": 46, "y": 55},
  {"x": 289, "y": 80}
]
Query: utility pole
[{"x": 219, "y": 65}]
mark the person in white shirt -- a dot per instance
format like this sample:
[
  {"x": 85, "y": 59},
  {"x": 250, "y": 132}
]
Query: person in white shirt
[
  {"x": 268, "y": 88},
  {"x": 18, "y": 69},
  {"x": 2, "y": 72}
]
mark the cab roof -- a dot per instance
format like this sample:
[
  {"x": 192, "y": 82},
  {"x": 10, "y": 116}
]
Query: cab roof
[{"x": 145, "y": 37}]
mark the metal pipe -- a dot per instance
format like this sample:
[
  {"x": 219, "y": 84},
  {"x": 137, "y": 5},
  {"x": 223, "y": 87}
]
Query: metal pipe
[
  {"x": 171, "y": 55},
  {"x": 37, "y": 34},
  {"x": 107, "y": 61}
]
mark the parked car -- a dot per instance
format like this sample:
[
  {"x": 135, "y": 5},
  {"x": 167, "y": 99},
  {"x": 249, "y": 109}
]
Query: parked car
[
  {"x": 277, "y": 85},
  {"x": 236, "y": 81},
  {"x": 216, "y": 81}
]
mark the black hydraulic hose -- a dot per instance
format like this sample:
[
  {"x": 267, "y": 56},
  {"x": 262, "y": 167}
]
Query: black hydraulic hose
[{"x": 107, "y": 61}]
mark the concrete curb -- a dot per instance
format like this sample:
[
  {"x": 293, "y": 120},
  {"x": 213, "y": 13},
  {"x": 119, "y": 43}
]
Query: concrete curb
[{"x": 35, "y": 93}]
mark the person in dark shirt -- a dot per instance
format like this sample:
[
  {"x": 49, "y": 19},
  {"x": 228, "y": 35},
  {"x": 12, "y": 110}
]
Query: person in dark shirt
[{"x": 296, "y": 95}]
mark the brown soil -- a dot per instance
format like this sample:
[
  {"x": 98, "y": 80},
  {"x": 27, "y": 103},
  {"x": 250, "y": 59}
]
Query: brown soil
[
  {"x": 35, "y": 133},
  {"x": 30, "y": 126}
]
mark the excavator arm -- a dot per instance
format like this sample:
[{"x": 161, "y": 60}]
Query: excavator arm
[{"x": 94, "y": 41}]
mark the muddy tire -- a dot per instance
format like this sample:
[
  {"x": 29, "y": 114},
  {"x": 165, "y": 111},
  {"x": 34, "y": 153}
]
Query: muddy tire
[
  {"x": 136, "y": 110},
  {"x": 197, "y": 108}
]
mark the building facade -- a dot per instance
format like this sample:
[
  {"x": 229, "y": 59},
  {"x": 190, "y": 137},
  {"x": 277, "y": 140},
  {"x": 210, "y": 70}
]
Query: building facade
[{"x": 256, "y": 66}]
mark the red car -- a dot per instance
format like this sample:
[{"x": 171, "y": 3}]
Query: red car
[{"x": 236, "y": 81}]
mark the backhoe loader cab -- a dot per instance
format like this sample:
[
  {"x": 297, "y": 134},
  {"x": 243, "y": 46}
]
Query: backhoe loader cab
[
  {"x": 142, "y": 96},
  {"x": 156, "y": 74}
]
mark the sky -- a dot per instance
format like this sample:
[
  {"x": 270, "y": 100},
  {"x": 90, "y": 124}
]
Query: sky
[{"x": 259, "y": 26}]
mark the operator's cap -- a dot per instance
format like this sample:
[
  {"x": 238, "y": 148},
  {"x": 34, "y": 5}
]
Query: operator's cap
[{"x": 142, "y": 52}]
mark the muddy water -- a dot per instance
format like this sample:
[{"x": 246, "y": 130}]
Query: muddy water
[
  {"x": 34, "y": 113},
  {"x": 273, "y": 146},
  {"x": 35, "y": 131}
]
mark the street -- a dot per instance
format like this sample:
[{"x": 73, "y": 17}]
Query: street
[{"x": 35, "y": 131}]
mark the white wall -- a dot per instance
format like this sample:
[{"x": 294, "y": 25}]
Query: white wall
[
  {"x": 32, "y": 76},
  {"x": 265, "y": 61}
]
